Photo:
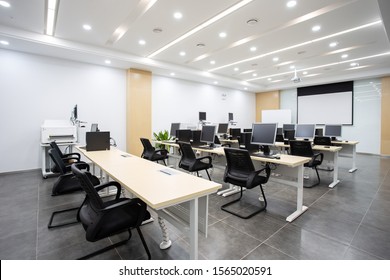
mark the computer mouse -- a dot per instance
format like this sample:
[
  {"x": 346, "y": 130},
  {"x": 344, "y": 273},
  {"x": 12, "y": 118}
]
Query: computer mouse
[{"x": 276, "y": 157}]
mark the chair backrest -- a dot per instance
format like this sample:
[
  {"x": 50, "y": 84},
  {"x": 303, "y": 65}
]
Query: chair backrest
[
  {"x": 216, "y": 140},
  {"x": 322, "y": 140},
  {"x": 238, "y": 161},
  {"x": 289, "y": 134},
  {"x": 148, "y": 148},
  {"x": 195, "y": 136},
  {"x": 56, "y": 158},
  {"x": 187, "y": 153},
  {"x": 54, "y": 146},
  {"x": 93, "y": 197},
  {"x": 301, "y": 148},
  {"x": 279, "y": 138}
]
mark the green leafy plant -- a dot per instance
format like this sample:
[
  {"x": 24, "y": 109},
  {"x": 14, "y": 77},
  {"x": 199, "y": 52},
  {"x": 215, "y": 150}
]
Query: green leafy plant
[{"x": 161, "y": 136}]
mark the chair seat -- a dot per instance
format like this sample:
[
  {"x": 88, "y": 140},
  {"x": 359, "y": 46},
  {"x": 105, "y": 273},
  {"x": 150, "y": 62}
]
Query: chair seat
[
  {"x": 197, "y": 166},
  {"x": 241, "y": 180}
]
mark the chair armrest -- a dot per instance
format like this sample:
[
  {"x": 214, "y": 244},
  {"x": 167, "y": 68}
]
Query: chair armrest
[
  {"x": 226, "y": 145},
  {"x": 109, "y": 184},
  {"x": 205, "y": 157},
  {"x": 72, "y": 155},
  {"x": 318, "y": 156},
  {"x": 256, "y": 173},
  {"x": 82, "y": 165},
  {"x": 128, "y": 202},
  {"x": 161, "y": 151}
]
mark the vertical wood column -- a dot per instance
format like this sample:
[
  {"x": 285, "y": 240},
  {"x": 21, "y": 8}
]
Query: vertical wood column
[
  {"x": 138, "y": 109},
  {"x": 385, "y": 117},
  {"x": 266, "y": 101}
]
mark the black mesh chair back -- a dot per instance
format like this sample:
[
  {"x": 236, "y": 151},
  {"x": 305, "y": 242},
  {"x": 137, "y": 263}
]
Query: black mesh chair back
[
  {"x": 56, "y": 158},
  {"x": 190, "y": 162},
  {"x": 68, "y": 158},
  {"x": 279, "y": 138},
  {"x": 216, "y": 140},
  {"x": 289, "y": 134},
  {"x": 241, "y": 172},
  {"x": 102, "y": 219},
  {"x": 196, "y": 137},
  {"x": 322, "y": 140},
  {"x": 152, "y": 154}
]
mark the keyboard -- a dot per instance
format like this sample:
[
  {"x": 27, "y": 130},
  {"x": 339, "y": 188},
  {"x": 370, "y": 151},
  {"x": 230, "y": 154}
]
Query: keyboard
[{"x": 265, "y": 156}]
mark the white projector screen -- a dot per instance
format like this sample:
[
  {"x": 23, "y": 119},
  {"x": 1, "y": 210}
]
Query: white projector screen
[{"x": 327, "y": 105}]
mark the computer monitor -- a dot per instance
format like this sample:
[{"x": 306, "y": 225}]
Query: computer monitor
[
  {"x": 333, "y": 130},
  {"x": 94, "y": 127},
  {"x": 184, "y": 135},
  {"x": 223, "y": 127},
  {"x": 235, "y": 132},
  {"x": 264, "y": 134},
  {"x": 230, "y": 116},
  {"x": 202, "y": 116},
  {"x": 288, "y": 127},
  {"x": 174, "y": 127},
  {"x": 319, "y": 132},
  {"x": 305, "y": 131},
  {"x": 289, "y": 134},
  {"x": 208, "y": 134},
  {"x": 97, "y": 141}
]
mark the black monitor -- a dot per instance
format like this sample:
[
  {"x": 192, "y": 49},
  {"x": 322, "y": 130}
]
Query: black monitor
[
  {"x": 333, "y": 130},
  {"x": 279, "y": 131},
  {"x": 235, "y": 132},
  {"x": 174, "y": 127},
  {"x": 264, "y": 134},
  {"x": 223, "y": 127},
  {"x": 288, "y": 127},
  {"x": 319, "y": 132},
  {"x": 97, "y": 141},
  {"x": 247, "y": 129},
  {"x": 305, "y": 131},
  {"x": 202, "y": 116},
  {"x": 94, "y": 127},
  {"x": 208, "y": 134},
  {"x": 289, "y": 134},
  {"x": 230, "y": 116},
  {"x": 184, "y": 135}
]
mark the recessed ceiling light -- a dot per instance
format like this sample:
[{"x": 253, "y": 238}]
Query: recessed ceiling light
[
  {"x": 200, "y": 45},
  {"x": 5, "y": 43},
  {"x": 316, "y": 28},
  {"x": 252, "y": 21},
  {"x": 212, "y": 62},
  {"x": 275, "y": 59},
  {"x": 5, "y": 4},
  {"x": 215, "y": 83},
  {"x": 51, "y": 16},
  {"x": 245, "y": 88},
  {"x": 291, "y": 4},
  {"x": 141, "y": 42},
  {"x": 107, "y": 61},
  {"x": 354, "y": 64},
  {"x": 253, "y": 49},
  {"x": 222, "y": 34},
  {"x": 269, "y": 79},
  {"x": 254, "y": 75},
  {"x": 304, "y": 72},
  {"x": 236, "y": 69},
  {"x": 182, "y": 53},
  {"x": 292, "y": 66},
  {"x": 87, "y": 27},
  {"x": 344, "y": 56},
  {"x": 177, "y": 15},
  {"x": 333, "y": 44},
  {"x": 172, "y": 74}
]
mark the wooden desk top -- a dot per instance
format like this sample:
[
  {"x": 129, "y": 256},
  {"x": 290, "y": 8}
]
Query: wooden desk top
[
  {"x": 315, "y": 147},
  {"x": 159, "y": 186},
  {"x": 346, "y": 142}
]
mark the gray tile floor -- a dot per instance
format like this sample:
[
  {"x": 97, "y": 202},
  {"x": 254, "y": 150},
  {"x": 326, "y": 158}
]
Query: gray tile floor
[{"x": 350, "y": 221}]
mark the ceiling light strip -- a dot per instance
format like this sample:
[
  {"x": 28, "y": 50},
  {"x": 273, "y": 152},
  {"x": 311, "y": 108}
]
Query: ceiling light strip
[
  {"x": 297, "y": 45},
  {"x": 321, "y": 66},
  {"x": 51, "y": 16},
  {"x": 202, "y": 26}
]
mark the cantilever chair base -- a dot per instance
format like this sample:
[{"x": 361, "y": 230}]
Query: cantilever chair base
[{"x": 50, "y": 224}]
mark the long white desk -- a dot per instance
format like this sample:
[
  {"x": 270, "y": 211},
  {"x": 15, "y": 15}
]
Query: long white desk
[
  {"x": 158, "y": 186},
  {"x": 291, "y": 168}
]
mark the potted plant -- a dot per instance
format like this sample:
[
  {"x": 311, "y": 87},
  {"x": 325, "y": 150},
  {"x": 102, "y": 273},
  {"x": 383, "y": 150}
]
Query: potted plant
[{"x": 161, "y": 136}]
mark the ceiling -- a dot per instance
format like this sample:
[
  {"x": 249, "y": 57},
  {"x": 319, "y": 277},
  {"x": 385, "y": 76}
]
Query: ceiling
[{"x": 257, "y": 33}]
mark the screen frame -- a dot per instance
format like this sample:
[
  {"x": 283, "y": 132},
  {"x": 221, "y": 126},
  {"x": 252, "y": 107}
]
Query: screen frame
[
  {"x": 305, "y": 137},
  {"x": 254, "y": 125},
  {"x": 202, "y": 116},
  {"x": 223, "y": 126},
  {"x": 333, "y": 125},
  {"x": 205, "y": 130},
  {"x": 172, "y": 126}
]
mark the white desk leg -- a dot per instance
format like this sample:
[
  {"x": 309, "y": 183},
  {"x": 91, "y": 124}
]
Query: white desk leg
[
  {"x": 335, "y": 170},
  {"x": 230, "y": 191},
  {"x": 354, "y": 168},
  {"x": 166, "y": 243},
  {"x": 194, "y": 229},
  {"x": 300, "y": 207}
]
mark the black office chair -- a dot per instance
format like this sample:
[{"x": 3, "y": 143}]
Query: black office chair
[
  {"x": 189, "y": 161},
  {"x": 102, "y": 219},
  {"x": 68, "y": 158},
  {"x": 218, "y": 142},
  {"x": 66, "y": 183},
  {"x": 152, "y": 154},
  {"x": 196, "y": 134},
  {"x": 241, "y": 172},
  {"x": 304, "y": 149},
  {"x": 322, "y": 140}
]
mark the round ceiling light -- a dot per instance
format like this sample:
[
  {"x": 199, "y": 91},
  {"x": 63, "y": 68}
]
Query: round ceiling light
[{"x": 252, "y": 21}]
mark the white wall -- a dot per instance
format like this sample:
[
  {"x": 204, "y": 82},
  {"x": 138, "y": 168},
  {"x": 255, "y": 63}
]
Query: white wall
[
  {"x": 366, "y": 126},
  {"x": 176, "y": 100},
  {"x": 35, "y": 88}
]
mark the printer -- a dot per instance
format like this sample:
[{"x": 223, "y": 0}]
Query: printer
[{"x": 61, "y": 131}]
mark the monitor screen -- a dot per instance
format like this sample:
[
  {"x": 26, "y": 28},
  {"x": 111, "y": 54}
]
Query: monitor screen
[
  {"x": 94, "y": 127},
  {"x": 208, "y": 134},
  {"x": 202, "y": 116},
  {"x": 288, "y": 127},
  {"x": 184, "y": 135},
  {"x": 333, "y": 130},
  {"x": 223, "y": 127},
  {"x": 235, "y": 132},
  {"x": 174, "y": 127},
  {"x": 319, "y": 132},
  {"x": 230, "y": 116},
  {"x": 264, "y": 133},
  {"x": 305, "y": 131}
]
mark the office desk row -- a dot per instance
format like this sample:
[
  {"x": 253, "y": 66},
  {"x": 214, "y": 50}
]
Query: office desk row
[
  {"x": 160, "y": 187},
  {"x": 291, "y": 168}
]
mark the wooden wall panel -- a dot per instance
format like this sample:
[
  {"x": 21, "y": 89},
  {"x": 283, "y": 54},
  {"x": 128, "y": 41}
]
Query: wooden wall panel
[
  {"x": 385, "y": 117},
  {"x": 266, "y": 101},
  {"x": 138, "y": 109}
]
